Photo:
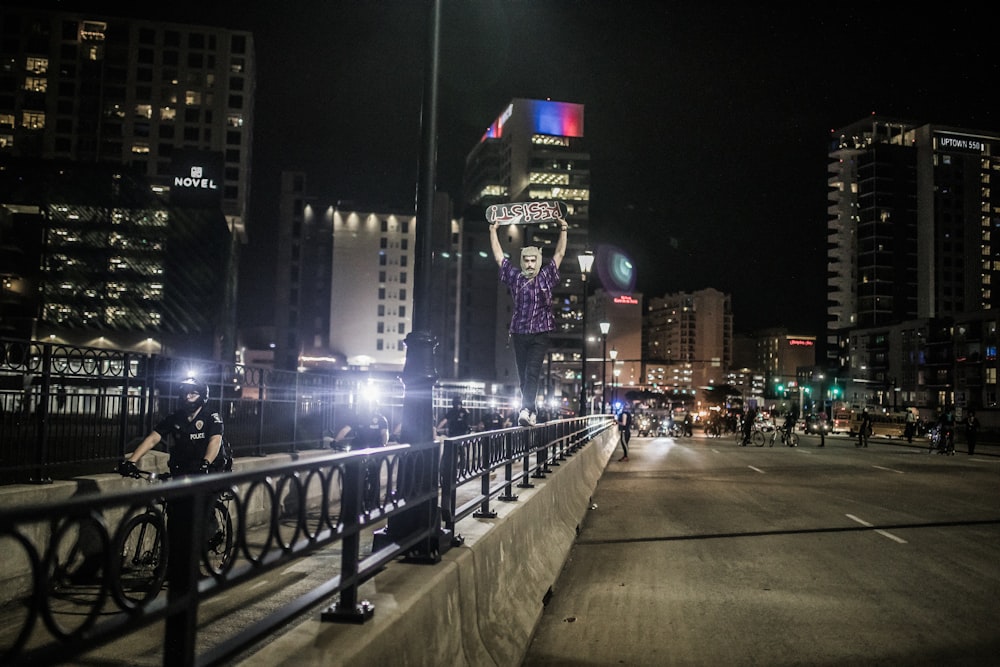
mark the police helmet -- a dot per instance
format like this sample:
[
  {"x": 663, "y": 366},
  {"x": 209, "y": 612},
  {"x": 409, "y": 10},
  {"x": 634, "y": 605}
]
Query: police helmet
[{"x": 193, "y": 385}]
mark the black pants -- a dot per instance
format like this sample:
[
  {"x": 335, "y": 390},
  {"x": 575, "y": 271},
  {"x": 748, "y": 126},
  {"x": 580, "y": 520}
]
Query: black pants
[
  {"x": 625, "y": 435},
  {"x": 529, "y": 354}
]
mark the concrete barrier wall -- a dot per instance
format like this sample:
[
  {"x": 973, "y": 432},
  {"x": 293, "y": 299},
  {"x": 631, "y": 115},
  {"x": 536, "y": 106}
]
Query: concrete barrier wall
[{"x": 478, "y": 606}]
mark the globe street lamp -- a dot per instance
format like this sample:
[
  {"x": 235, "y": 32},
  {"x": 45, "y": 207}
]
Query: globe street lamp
[
  {"x": 614, "y": 372},
  {"x": 605, "y": 328},
  {"x": 586, "y": 261}
]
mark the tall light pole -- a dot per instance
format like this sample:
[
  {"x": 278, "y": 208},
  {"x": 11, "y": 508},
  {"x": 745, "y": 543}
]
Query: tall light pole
[
  {"x": 614, "y": 373},
  {"x": 605, "y": 328},
  {"x": 420, "y": 467},
  {"x": 586, "y": 261}
]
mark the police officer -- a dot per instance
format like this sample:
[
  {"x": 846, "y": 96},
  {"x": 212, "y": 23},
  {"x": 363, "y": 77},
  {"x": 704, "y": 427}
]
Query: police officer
[{"x": 196, "y": 435}]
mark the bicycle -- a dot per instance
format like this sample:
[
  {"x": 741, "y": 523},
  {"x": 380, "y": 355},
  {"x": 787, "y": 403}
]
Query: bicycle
[
  {"x": 788, "y": 437},
  {"x": 755, "y": 437},
  {"x": 942, "y": 441},
  {"x": 142, "y": 549}
]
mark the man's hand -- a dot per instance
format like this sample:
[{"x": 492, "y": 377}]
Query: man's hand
[
  {"x": 128, "y": 469},
  {"x": 203, "y": 468}
]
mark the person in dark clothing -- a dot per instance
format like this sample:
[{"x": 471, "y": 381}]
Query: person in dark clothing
[
  {"x": 971, "y": 431},
  {"x": 625, "y": 431},
  {"x": 494, "y": 421},
  {"x": 196, "y": 436},
  {"x": 748, "y": 422},
  {"x": 946, "y": 430},
  {"x": 456, "y": 419},
  {"x": 373, "y": 432},
  {"x": 864, "y": 429}
]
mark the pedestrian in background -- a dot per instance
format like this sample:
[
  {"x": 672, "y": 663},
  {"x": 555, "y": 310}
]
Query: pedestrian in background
[
  {"x": 624, "y": 431},
  {"x": 971, "y": 431},
  {"x": 911, "y": 424},
  {"x": 530, "y": 286},
  {"x": 865, "y": 429}
]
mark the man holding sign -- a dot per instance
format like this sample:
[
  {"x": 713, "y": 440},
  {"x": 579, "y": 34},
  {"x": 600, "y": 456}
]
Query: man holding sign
[{"x": 530, "y": 286}]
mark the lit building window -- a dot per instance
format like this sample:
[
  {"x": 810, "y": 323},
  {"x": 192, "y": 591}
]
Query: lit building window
[
  {"x": 37, "y": 65},
  {"x": 33, "y": 120},
  {"x": 36, "y": 84}
]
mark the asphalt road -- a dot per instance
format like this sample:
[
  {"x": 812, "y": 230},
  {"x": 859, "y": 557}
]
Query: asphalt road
[{"x": 700, "y": 552}]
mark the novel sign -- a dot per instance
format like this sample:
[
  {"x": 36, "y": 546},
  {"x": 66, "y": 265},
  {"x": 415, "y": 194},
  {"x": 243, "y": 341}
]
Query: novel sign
[{"x": 197, "y": 179}]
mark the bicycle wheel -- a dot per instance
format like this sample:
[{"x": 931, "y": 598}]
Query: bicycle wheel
[
  {"x": 758, "y": 438},
  {"x": 142, "y": 558},
  {"x": 220, "y": 547}
]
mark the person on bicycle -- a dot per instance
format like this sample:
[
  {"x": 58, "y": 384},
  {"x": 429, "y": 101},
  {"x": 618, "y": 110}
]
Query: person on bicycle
[
  {"x": 196, "y": 435},
  {"x": 946, "y": 430},
  {"x": 457, "y": 420},
  {"x": 373, "y": 432},
  {"x": 788, "y": 427}
]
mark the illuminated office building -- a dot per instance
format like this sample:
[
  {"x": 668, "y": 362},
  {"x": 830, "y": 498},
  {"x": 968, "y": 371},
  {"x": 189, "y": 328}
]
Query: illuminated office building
[
  {"x": 691, "y": 335},
  {"x": 911, "y": 255},
  {"x": 911, "y": 218},
  {"x": 534, "y": 150},
  {"x": 344, "y": 281},
  {"x": 171, "y": 104}
]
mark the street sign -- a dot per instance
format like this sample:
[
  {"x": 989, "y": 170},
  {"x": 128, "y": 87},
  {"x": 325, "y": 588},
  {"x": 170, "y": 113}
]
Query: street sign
[{"x": 525, "y": 212}]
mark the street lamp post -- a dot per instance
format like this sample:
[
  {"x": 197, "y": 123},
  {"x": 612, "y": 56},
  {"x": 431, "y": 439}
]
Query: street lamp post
[
  {"x": 420, "y": 468},
  {"x": 614, "y": 373},
  {"x": 586, "y": 261},
  {"x": 605, "y": 328}
]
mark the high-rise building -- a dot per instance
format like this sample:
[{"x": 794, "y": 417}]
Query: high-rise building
[
  {"x": 911, "y": 220},
  {"x": 690, "y": 334},
  {"x": 172, "y": 103},
  {"x": 534, "y": 150}
]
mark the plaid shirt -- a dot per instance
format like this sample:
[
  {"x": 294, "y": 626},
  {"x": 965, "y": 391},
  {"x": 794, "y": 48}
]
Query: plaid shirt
[{"x": 532, "y": 298}]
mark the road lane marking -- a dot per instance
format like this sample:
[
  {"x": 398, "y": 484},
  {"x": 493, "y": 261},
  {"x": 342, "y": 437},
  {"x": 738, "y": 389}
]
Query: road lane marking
[
  {"x": 883, "y": 533},
  {"x": 888, "y": 469},
  {"x": 756, "y": 469}
]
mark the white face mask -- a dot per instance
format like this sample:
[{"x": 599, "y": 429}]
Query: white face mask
[{"x": 530, "y": 270}]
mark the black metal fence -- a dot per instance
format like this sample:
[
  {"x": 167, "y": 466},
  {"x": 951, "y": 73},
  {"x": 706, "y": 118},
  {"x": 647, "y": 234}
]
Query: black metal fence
[
  {"x": 68, "y": 410},
  {"x": 280, "y": 512}
]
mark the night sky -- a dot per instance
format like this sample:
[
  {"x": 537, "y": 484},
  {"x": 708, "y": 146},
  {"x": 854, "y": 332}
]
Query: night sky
[{"x": 707, "y": 124}]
